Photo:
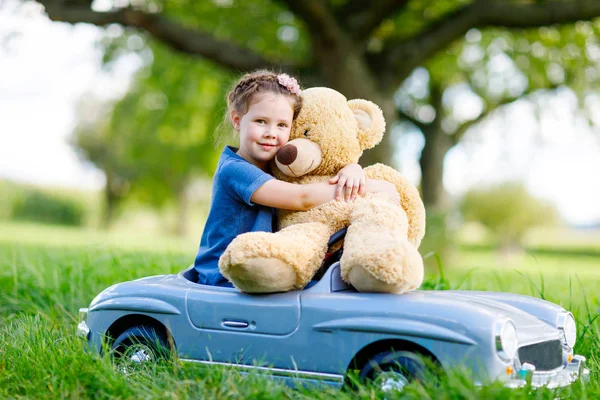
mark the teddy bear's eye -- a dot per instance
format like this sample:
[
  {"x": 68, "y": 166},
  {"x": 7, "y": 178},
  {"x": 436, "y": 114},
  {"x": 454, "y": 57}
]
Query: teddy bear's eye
[{"x": 306, "y": 133}]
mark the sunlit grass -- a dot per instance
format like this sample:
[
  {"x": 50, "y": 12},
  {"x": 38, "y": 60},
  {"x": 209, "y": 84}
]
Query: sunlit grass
[
  {"x": 555, "y": 239},
  {"x": 47, "y": 274},
  {"x": 61, "y": 236}
]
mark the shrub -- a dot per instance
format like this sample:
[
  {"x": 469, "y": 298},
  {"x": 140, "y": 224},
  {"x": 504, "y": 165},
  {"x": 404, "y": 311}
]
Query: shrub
[
  {"x": 37, "y": 206},
  {"x": 9, "y": 192},
  {"x": 508, "y": 211}
]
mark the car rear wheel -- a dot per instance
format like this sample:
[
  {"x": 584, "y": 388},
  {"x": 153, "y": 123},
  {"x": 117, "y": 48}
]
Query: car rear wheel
[
  {"x": 138, "y": 346},
  {"x": 393, "y": 370}
]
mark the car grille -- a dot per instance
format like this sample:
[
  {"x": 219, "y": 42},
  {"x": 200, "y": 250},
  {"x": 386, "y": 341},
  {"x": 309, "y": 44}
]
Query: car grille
[{"x": 545, "y": 355}]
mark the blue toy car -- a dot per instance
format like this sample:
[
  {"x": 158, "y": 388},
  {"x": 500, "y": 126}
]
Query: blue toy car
[{"x": 320, "y": 333}]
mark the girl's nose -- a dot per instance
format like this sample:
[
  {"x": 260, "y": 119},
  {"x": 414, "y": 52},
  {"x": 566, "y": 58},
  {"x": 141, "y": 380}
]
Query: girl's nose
[{"x": 268, "y": 132}]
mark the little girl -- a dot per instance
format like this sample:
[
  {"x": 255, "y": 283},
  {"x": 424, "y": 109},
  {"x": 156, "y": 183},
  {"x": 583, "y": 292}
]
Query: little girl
[{"x": 262, "y": 107}]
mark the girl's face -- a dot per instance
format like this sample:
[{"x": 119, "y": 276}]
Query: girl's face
[{"x": 264, "y": 128}]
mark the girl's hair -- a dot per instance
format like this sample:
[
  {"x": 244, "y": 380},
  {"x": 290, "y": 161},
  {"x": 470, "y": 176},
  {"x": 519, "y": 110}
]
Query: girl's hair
[{"x": 242, "y": 95}]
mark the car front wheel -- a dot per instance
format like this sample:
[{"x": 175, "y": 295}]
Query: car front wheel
[
  {"x": 137, "y": 346},
  {"x": 393, "y": 370}
]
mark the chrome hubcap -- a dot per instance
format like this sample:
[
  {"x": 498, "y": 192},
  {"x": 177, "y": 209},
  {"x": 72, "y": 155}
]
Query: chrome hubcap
[
  {"x": 134, "y": 356},
  {"x": 141, "y": 355},
  {"x": 391, "y": 381}
]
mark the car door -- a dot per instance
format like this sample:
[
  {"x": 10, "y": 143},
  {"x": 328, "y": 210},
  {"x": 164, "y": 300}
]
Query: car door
[{"x": 237, "y": 327}]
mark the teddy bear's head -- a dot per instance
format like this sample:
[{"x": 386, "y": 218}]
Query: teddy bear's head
[{"x": 329, "y": 133}]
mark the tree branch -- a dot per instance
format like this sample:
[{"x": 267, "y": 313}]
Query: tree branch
[
  {"x": 412, "y": 120},
  {"x": 403, "y": 55},
  {"x": 532, "y": 15},
  {"x": 352, "y": 7},
  {"x": 363, "y": 17},
  {"x": 490, "y": 108},
  {"x": 318, "y": 18},
  {"x": 181, "y": 38},
  {"x": 460, "y": 132}
]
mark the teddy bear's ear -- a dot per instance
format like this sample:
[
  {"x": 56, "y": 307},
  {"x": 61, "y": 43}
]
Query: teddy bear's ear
[{"x": 371, "y": 123}]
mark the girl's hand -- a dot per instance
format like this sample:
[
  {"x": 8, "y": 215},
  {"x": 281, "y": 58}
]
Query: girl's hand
[{"x": 352, "y": 177}]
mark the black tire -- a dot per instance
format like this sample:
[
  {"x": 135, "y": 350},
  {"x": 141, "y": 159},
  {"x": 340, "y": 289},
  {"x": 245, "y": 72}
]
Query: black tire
[
  {"x": 392, "y": 370},
  {"x": 139, "y": 345}
]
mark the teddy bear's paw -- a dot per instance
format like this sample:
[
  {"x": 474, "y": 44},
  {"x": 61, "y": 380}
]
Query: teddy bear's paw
[
  {"x": 393, "y": 271},
  {"x": 262, "y": 275},
  {"x": 364, "y": 281}
]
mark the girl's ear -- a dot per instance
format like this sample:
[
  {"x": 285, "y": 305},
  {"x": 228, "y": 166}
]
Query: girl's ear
[
  {"x": 235, "y": 119},
  {"x": 371, "y": 124}
]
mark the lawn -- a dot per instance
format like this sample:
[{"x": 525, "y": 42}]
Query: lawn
[{"x": 48, "y": 273}]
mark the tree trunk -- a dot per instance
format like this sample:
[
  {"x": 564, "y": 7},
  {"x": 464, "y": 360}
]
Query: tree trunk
[
  {"x": 347, "y": 72},
  {"x": 432, "y": 168},
  {"x": 437, "y": 144},
  {"x": 345, "y": 69},
  {"x": 111, "y": 200}
]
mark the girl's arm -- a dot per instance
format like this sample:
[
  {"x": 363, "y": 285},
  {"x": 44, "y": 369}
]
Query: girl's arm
[{"x": 290, "y": 196}]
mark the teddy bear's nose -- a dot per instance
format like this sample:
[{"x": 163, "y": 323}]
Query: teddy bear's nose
[{"x": 287, "y": 154}]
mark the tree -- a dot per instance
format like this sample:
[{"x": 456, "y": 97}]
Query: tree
[
  {"x": 508, "y": 211},
  {"x": 361, "y": 48},
  {"x": 159, "y": 136},
  {"x": 93, "y": 142},
  {"x": 492, "y": 69}
]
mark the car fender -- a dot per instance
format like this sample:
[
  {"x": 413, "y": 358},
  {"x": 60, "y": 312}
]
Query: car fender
[
  {"x": 402, "y": 327},
  {"x": 541, "y": 309},
  {"x": 136, "y": 304}
]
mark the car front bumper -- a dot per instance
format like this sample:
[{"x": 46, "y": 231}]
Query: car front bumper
[{"x": 574, "y": 371}]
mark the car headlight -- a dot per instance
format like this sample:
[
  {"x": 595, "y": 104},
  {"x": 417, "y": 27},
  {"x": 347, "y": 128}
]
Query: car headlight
[
  {"x": 566, "y": 324},
  {"x": 507, "y": 342}
]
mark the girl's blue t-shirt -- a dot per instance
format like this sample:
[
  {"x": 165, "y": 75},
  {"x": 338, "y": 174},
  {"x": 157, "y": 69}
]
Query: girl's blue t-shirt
[{"x": 231, "y": 213}]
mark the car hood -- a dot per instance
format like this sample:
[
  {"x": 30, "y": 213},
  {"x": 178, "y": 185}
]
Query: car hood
[{"x": 530, "y": 329}]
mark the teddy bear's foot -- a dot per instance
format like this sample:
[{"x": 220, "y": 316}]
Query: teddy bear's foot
[
  {"x": 399, "y": 270},
  {"x": 264, "y": 262},
  {"x": 263, "y": 275},
  {"x": 364, "y": 281}
]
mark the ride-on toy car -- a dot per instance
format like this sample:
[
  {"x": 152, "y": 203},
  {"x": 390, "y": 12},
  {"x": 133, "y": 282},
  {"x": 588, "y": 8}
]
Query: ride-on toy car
[{"x": 320, "y": 333}]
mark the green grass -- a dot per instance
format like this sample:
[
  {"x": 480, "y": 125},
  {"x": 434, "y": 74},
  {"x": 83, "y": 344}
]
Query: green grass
[
  {"x": 48, "y": 273},
  {"x": 28, "y": 234},
  {"x": 554, "y": 240}
]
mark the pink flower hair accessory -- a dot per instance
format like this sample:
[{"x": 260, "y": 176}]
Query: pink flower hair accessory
[{"x": 289, "y": 83}]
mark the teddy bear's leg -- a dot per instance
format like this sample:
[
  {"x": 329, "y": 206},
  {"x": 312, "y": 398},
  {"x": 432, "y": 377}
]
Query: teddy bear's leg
[
  {"x": 378, "y": 256},
  {"x": 409, "y": 197},
  {"x": 264, "y": 262}
]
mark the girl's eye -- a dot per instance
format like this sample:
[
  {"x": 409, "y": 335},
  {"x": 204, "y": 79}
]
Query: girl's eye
[
  {"x": 260, "y": 121},
  {"x": 282, "y": 125},
  {"x": 306, "y": 133}
]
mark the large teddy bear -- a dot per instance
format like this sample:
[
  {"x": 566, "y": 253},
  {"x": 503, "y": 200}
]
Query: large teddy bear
[{"x": 380, "y": 250}]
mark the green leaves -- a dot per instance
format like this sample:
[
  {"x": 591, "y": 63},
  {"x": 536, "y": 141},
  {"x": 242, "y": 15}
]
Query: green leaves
[
  {"x": 165, "y": 124},
  {"x": 263, "y": 26}
]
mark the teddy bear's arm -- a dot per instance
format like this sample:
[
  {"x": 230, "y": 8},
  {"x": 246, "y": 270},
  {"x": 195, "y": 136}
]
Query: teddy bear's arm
[{"x": 409, "y": 198}]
